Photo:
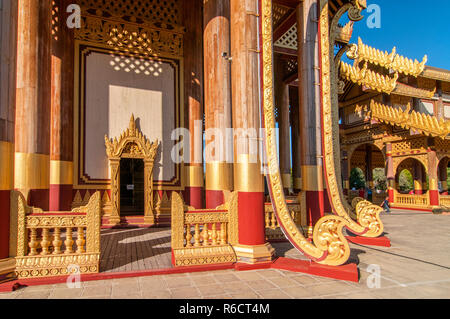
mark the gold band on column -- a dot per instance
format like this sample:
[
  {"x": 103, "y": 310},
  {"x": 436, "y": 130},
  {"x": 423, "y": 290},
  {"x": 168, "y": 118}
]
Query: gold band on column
[
  {"x": 248, "y": 176},
  {"x": 287, "y": 180},
  {"x": 347, "y": 184},
  {"x": 297, "y": 183},
  {"x": 6, "y": 166},
  {"x": 312, "y": 178},
  {"x": 433, "y": 185},
  {"x": 219, "y": 176},
  {"x": 418, "y": 185},
  {"x": 32, "y": 171},
  {"x": 61, "y": 173},
  {"x": 194, "y": 176}
]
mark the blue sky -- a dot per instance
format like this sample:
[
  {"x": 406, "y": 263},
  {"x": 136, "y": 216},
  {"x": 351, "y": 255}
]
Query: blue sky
[{"x": 415, "y": 27}]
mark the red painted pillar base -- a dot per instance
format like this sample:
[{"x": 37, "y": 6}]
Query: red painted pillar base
[
  {"x": 4, "y": 223},
  {"x": 60, "y": 198},
  {"x": 314, "y": 208},
  {"x": 327, "y": 204},
  {"x": 418, "y": 192},
  {"x": 252, "y": 246},
  {"x": 391, "y": 196},
  {"x": 193, "y": 196},
  {"x": 434, "y": 197}
]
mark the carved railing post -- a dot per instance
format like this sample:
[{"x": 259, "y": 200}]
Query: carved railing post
[
  {"x": 177, "y": 221},
  {"x": 115, "y": 190},
  {"x": 148, "y": 194}
]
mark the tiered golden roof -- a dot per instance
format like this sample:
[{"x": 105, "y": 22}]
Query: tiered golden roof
[
  {"x": 391, "y": 61},
  {"x": 369, "y": 78},
  {"x": 423, "y": 123}
]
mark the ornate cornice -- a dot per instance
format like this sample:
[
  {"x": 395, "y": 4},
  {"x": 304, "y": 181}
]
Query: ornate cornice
[
  {"x": 424, "y": 123},
  {"x": 120, "y": 35},
  {"x": 132, "y": 143}
]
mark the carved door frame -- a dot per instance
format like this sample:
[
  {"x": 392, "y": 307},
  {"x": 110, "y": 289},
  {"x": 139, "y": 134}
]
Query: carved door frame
[{"x": 134, "y": 145}]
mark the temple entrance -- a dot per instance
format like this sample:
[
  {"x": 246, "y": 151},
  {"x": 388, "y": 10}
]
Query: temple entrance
[{"x": 132, "y": 187}]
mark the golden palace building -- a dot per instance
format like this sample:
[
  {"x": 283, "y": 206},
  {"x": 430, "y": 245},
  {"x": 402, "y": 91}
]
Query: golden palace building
[{"x": 96, "y": 98}]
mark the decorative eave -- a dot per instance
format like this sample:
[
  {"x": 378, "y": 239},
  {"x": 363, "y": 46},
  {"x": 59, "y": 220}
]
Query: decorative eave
[
  {"x": 423, "y": 123},
  {"x": 391, "y": 61},
  {"x": 436, "y": 74},
  {"x": 406, "y": 90},
  {"x": 366, "y": 77}
]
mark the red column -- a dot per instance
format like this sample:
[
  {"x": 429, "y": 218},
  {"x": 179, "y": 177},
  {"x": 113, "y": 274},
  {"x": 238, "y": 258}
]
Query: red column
[
  {"x": 219, "y": 174},
  {"x": 248, "y": 178},
  {"x": 61, "y": 132},
  {"x": 193, "y": 89}
]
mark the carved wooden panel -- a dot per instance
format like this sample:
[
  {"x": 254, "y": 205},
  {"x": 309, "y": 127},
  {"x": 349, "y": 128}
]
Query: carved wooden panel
[{"x": 167, "y": 11}]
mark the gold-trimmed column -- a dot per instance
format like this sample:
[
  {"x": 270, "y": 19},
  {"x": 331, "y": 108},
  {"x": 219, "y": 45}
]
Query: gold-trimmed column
[
  {"x": 61, "y": 121},
  {"x": 8, "y": 24},
  {"x": 418, "y": 178},
  {"x": 248, "y": 177},
  {"x": 33, "y": 96},
  {"x": 433, "y": 191},
  {"x": 310, "y": 116},
  {"x": 219, "y": 172},
  {"x": 193, "y": 99}
]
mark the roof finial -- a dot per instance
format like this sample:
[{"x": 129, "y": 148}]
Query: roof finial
[{"x": 132, "y": 123}]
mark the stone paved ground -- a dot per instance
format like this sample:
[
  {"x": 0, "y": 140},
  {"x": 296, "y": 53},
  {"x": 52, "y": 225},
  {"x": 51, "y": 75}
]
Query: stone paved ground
[{"x": 416, "y": 266}]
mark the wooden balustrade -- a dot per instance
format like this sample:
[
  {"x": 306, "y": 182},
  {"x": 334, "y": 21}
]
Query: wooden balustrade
[
  {"x": 45, "y": 241},
  {"x": 273, "y": 230},
  {"x": 202, "y": 237},
  {"x": 444, "y": 200},
  {"x": 411, "y": 201}
]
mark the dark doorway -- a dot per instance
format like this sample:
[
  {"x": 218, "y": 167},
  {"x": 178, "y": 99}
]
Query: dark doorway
[{"x": 131, "y": 187}]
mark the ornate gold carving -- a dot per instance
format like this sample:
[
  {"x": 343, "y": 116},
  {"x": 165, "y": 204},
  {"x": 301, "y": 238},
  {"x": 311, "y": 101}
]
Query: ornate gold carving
[
  {"x": 424, "y": 123},
  {"x": 366, "y": 223},
  {"x": 357, "y": 6},
  {"x": 330, "y": 246},
  {"x": 212, "y": 243},
  {"x": 166, "y": 13},
  {"x": 344, "y": 34},
  {"x": 138, "y": 31},
  {"x": 367, "y": 77},
  {"x": 131, "y": 144},
  {"x": 390, "y": 61}
]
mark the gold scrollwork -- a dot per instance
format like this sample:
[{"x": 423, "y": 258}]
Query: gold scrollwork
[
  {"x": 330, "y": 246},
  {"x": 368, "y": 223}
]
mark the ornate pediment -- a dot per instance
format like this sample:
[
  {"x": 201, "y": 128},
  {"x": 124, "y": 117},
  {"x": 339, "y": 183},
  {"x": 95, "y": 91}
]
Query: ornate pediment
[{"x": 131, "y": 144}]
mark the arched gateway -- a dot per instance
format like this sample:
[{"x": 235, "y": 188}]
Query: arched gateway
[{"x": 131, "y": 144}]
